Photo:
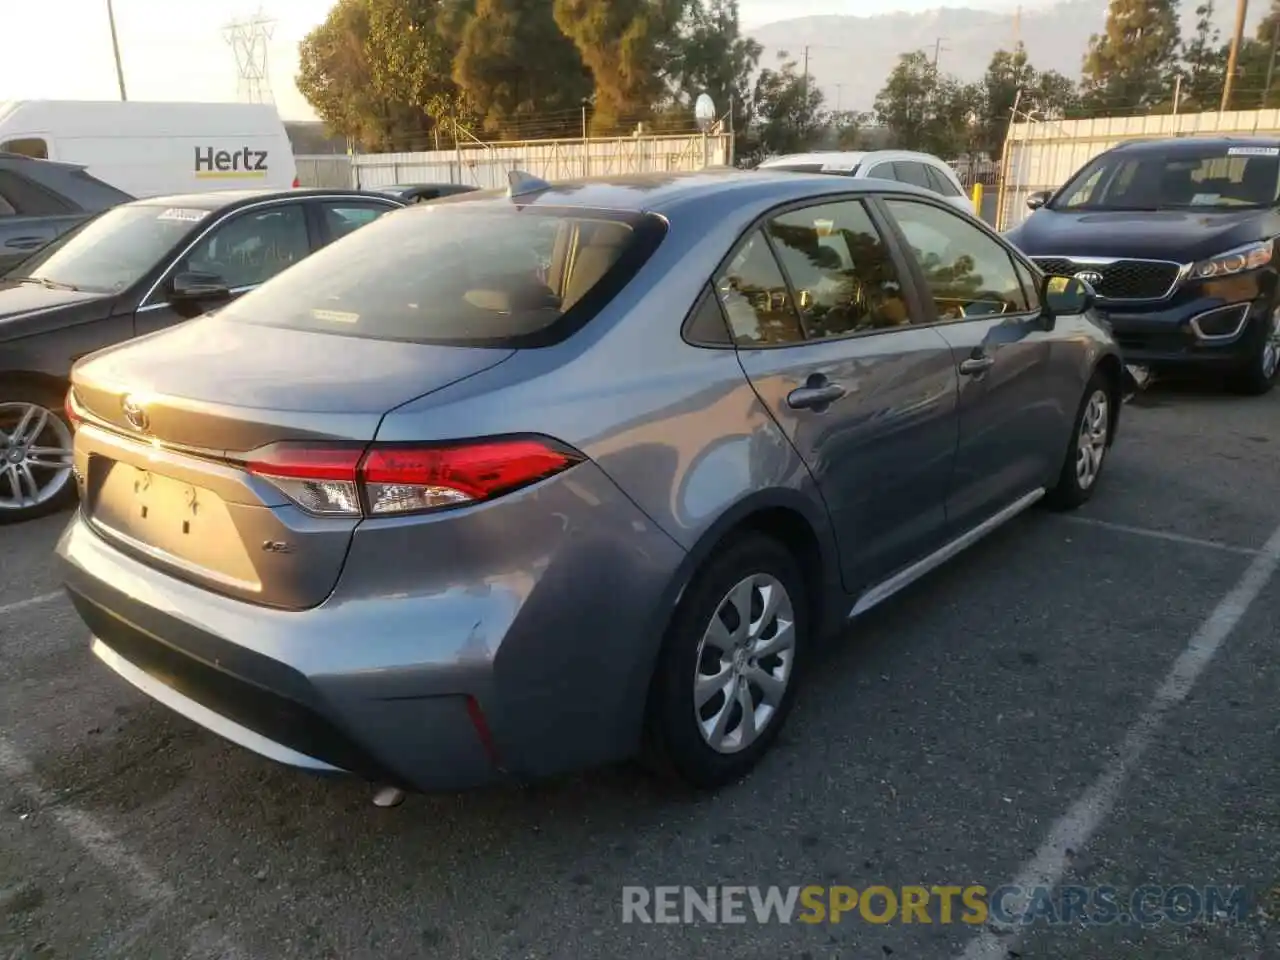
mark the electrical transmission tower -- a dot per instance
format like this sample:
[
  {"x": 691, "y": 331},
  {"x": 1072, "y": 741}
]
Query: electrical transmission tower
[{"x": 249, "y": 40}]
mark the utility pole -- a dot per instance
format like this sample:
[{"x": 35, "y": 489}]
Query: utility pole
[
  {"x": 804, "y": 87},
  {"x": 1271, "y": 63},
  {"x": 115, "y": 49},
  {"x": 839, "y": 95},
  {"x": 1242, "y": 10},
  {"x": 937, "y": 51}
]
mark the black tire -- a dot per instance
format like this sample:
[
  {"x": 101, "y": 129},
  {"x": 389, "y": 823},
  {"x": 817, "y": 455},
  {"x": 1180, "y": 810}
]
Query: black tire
[
  {"x": 1072, "y": 490},
  {"x": 1258, "y": 376},
  {"x": 66, "y": 495},
  {"x": 675, "y": 745}
]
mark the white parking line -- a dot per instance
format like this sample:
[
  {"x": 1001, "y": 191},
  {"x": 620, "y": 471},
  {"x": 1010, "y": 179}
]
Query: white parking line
[
  {"x": 7, "y": 608},
  {"x": 95, "y": 839},
  {"x": 1074, "y": 830},
  {"x": 1161, "y": 535}
]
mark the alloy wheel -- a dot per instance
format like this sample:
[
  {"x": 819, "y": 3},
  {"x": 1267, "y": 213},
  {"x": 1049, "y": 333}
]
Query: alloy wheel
[
  {"x": 1271, "y": 347},
  {"x": 744, "y": 663},
  {"x": 35, "y": 456},
  {"x": 1092, "y": 443}
]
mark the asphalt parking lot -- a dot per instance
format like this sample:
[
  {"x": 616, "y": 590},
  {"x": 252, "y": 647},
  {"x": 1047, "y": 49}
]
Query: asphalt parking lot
[{"x": 1088, "y": 700}]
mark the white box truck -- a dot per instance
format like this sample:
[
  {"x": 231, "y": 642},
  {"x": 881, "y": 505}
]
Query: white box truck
[{"x": 152, "y": 149}]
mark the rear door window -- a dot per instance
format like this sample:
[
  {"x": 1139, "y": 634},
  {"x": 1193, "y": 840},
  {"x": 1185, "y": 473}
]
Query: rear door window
[
  {"x": 841, "y": 270},
  {"x": 755, "y": 297},
  {"x": 342, "y": 218},
  {"x": 491, "y": 276},
  {"x": 254, "y": 246},
  {"x": 29, "y": 199},
  {"x": 909, "y": 171},
  {"x": 940, "y": 182}
]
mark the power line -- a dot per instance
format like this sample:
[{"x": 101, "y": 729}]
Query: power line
[{"x": 249, "y": 41}]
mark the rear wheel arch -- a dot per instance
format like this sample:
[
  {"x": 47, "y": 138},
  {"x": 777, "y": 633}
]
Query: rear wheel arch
[{"x": 785, "y": 515}]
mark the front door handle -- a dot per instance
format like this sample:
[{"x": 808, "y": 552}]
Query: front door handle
[
  {"x": 815, "y": 396},
  {"x": 976, "y": 365},
  {"x": 25, "y": 243}
]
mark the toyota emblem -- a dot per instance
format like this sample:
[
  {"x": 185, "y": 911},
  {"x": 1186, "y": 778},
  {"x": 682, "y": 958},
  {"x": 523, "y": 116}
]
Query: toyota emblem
[
  {"x": 136, "y": 414},
  {"x": 1091, "y": 277}
]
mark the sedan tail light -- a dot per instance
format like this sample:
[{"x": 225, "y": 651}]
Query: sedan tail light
[
  {"x": 71, "y": 408},
  {"x": 391, "y": 479}
]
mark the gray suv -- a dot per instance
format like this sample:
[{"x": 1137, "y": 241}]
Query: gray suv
[
  {"x": 513, "y": 484},
  {"x": 42, "y": 199}
]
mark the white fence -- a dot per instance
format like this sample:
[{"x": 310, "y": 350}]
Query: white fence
[
  {"x": 1044, "y": 154},
  {"x": 332, "y": 170},
  {"x": 487, "y": 165}
]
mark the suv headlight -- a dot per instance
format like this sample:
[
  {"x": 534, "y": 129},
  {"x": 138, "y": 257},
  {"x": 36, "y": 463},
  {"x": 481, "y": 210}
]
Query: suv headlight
[{"x": 1249, "y": 257}]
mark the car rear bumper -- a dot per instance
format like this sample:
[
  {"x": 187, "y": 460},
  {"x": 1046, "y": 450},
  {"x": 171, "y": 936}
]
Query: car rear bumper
[{"x": 519, "y": 674}]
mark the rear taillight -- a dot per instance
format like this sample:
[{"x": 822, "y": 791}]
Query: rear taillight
[
  {"x": 297, "y": 182},
  {"x": 391, "y": 479},
  {"x": 71, "y": 408}
]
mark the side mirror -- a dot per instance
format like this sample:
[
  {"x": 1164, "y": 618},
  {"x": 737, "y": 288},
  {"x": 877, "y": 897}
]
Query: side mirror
[
  {"x": 1066, "y": 296},
  {"x": 198, "y": 286},
  {"x": 1038, "y": 199}
]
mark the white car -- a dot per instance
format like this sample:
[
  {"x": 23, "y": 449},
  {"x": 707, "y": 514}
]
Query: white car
[{"x": 905, "y": 166}]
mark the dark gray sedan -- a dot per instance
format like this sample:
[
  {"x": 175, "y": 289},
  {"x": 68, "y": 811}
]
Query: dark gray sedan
[
  {"x": 42, "y": 199},
  {"x": 507, "y": 485}
]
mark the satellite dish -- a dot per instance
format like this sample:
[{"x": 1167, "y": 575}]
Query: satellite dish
[{"x": 704, "y": 111}]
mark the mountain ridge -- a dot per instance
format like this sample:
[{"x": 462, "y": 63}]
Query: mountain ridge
[{"x": 850, "y": 57}]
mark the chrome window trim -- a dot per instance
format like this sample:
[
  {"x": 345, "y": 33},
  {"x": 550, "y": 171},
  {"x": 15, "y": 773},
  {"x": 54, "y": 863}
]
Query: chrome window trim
[
  {"x": 144, "y": 304},
  {"x": 1244, "y": 309},
  {"x": 1184, "y": 270}
]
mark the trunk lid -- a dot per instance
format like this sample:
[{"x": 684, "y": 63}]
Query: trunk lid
[{"x": 170, "y": 417}]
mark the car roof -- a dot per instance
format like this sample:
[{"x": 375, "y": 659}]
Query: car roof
[
  {"x": 1191, "y": 145},
  {"x": 842, "y": 160},
  {"x": 432, "y": 184},
  {"x": 223, "y": 199},
  {"x": 835, "y": 159},
  {"x": 8, "y": 157},
  {"x": 665, "y": 193}
]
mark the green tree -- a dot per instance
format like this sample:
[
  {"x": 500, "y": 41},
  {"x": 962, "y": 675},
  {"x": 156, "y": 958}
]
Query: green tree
[
  {"x": 1008, "y": 74},
  {"x": 520, "y": 74},
  {"x": 787, "y": 109},
  {"x": 711, "y": 56},
  {"x": 1204, "y": 67},
  {"x": 1257, "y": 81},
  {"x": 926, "y": 110},
  {"x": 377, "y": 71},
  {"x": 1053, "y": 96},
  {"x": 905, "y": 103},
  {"x": 622, "y": 43},
  {"x": 1131, "y": 66}
]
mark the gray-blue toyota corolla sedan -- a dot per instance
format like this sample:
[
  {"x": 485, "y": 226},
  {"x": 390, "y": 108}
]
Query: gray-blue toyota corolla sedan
[{"x": 520, "y": 482}]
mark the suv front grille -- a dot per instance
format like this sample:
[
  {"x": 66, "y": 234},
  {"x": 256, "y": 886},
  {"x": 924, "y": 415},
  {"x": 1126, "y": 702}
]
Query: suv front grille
[{"x": 1121, "y": 279}]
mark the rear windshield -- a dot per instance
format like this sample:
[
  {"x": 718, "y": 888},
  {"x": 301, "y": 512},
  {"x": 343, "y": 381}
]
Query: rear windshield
[
  {"x": 1220, "y": 177},
  {"x": 459, "y": 274}
]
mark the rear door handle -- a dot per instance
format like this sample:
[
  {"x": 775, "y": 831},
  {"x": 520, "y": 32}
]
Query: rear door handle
[
  {"x": 976, "y": 365},
  {"x": 25, "y": 243},
  {"x": 813, "y": 397}
]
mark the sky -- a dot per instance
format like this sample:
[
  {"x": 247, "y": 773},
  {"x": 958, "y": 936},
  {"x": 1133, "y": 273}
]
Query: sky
[{"x": 61, "y": 49}]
